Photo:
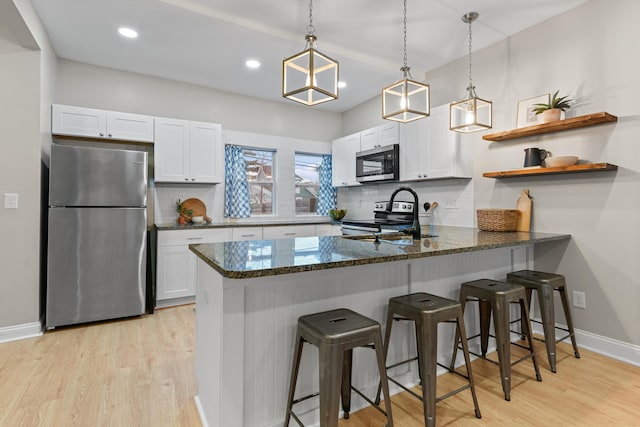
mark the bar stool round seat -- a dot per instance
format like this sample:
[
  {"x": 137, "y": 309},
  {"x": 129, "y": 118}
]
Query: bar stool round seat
[
  {"x": 426, "y": 311},
  {"x": 495, "y": 297},
  {"x": 544, "y": 284},
  {"x": 336, "y": 333}
]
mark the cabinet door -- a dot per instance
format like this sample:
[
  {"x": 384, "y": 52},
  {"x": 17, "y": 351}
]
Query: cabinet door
[
  {"x": 176, "y": 272},
  {"x": 129, "y": 127},
  {"x": 370, "y": 138},
  {"x": 388, "y": 134},
  {"x": 170, "y": 150},
  {"x": 328, "y": 230},
  {"x": 78, "y": 121},
  {"x": 343, "y": 152},
  {"x": 413, "y": 150},
  {"x": 443, "y": 158},
  {"x": 206, "y": 152}
]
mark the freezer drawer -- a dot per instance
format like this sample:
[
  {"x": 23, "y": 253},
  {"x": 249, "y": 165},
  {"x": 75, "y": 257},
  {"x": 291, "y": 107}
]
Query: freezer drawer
[
  {"x": 84, "y": 176},
  {"x": 96, "y": 266}
]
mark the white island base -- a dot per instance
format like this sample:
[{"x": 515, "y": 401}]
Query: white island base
[{"x": 245, "y": 329}]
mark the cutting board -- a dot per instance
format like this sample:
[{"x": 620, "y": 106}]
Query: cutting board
[
  {"x": 524, "y": 206},
  {"x": 197, "y": 207}
]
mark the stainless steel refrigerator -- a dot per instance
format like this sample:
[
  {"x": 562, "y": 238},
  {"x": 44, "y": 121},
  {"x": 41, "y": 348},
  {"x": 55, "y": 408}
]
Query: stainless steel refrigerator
[{"x": 97, "y": 242}]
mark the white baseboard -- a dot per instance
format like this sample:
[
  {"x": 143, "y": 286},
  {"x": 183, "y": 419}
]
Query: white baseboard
[
  {"x": 203, "y": 418},
  {"x": 616, "y": 349},
  {"x": 20, "y": 332}
]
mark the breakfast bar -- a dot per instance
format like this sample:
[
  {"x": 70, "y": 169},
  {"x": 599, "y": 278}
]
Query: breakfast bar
[{"x": 250, "y": 294}]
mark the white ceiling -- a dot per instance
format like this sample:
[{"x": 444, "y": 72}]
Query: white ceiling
[{"x": 206, "y": 42}]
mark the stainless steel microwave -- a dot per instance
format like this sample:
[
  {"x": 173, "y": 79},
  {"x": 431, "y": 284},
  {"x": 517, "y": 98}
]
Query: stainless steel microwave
[{"x": 378, "y": 164}]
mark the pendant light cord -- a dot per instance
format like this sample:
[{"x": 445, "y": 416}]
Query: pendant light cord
[
  {"x": 405, "y": 34},
  {"x": 310, "y": 28},
  {"x": 470, "y": 81}
]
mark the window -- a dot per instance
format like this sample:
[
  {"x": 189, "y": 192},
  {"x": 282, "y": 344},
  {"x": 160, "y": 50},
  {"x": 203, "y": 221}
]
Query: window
[
  {"x": 307, "y": 177},
  {"x": 260, "y": 179}
]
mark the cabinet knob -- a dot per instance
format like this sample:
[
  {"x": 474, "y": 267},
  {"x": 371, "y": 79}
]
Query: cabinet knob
[
  {"x": 193, "y": 179},
  {"x": 110, "y": 135},
  {"x": 186, "y": 179},
  {"x": 419, "y": 175},
  {"x": 101, "y": 133}
]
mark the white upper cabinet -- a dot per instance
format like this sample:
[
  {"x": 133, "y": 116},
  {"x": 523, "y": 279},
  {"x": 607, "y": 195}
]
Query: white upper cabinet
[
  {"x": 379, "y": 136},
  {"x": 429, "y": 150},
  {"x": 206, "y": 152},
  {"x": 92, "y": 123},
  {"x": 188, "y": 151},
  {"x": 343, "y": 153}
]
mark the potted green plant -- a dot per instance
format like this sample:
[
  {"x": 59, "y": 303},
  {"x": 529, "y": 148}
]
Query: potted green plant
[
  {"x": 552, "y": 111},
  {"x": 183, "y": 213}
]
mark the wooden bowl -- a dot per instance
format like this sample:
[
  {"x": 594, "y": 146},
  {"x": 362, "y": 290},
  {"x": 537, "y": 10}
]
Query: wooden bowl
[{"x": 557, "y": 161}]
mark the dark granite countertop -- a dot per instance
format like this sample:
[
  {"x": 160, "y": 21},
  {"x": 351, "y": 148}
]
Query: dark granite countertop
[
  {"x": 259, "y": 258},
  {"x": 249, "y": 222}
]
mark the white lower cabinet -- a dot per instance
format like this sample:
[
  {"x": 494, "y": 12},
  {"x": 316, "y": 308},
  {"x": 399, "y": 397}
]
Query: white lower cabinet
[
  {"x": 288, "y": 231},
  {"x": 176, "y": 265},
  {"x": 246, "y": 233},
  {"x": 328, "y": 230}
]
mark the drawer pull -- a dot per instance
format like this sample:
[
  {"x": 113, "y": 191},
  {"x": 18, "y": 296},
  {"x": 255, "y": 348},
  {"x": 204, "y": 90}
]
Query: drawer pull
[
  {"x": 290, "y": 234},
  {"x": 247, "y": 235},
  {"x": 194, "y": 238}
]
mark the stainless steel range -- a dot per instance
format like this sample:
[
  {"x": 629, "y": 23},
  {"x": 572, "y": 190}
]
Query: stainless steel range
[{"x": 398, "y": 218}]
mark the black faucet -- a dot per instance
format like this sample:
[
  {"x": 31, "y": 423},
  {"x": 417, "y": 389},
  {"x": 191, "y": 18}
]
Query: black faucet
[{"x": 415, "y": 228}]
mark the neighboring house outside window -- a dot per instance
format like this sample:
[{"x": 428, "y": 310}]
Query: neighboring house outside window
[
  {"x": 307, "y": 177},
  {"x": 260, "y": 170}
]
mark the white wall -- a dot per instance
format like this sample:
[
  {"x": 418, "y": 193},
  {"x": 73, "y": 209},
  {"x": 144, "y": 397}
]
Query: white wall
[
  {"x": 24, "y": 83},
  {"x": 589, "y": 53}
]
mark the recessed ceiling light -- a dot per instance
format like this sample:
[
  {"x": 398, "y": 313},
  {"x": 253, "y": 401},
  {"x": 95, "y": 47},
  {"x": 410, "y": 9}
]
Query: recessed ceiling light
[
  {"x": 342, "y": 85},
  {"x": 128, "y": 32},
  {"x": 252, "y": 63}
]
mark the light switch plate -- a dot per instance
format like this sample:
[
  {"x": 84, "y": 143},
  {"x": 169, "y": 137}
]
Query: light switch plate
[{"x": 11, "y": 200}]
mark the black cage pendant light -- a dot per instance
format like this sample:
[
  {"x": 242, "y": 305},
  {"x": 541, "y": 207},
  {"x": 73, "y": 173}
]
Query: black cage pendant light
[
  {"x": 471, "y": 114},
  {"x": 310, "y": 77},
  {"x": 405, "y": 100}
]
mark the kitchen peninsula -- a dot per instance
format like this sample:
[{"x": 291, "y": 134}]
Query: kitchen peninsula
[{"x": 251, "y": 293}]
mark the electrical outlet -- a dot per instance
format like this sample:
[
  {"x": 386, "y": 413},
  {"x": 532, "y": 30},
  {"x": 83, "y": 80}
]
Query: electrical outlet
[
  {"x": 11, "y": 200},
  {"x": 450, "y": 204},
  {"x": 579, "y": 299}
]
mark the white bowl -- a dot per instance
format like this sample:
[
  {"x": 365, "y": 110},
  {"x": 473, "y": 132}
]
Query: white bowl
[
  {"x": 197, "y": 219},
  {"x": 557, "y": 161}
]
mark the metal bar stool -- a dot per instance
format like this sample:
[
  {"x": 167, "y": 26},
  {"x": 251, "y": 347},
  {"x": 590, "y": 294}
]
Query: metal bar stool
[
  {"x": 336, "y": 333},
  {"x": 426, "y": 311},
  {"x": 545, "y": 284},
  {"x": 495, "y": 296}
]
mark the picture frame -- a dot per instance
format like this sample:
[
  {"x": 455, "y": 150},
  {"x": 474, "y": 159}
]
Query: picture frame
[{"x": 526, "y": 116}]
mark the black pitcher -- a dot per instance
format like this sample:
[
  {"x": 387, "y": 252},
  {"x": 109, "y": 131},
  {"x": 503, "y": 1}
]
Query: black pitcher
[{"x": 534, "y": 156}]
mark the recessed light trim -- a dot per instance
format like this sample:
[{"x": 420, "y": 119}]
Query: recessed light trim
[
  {"x": 252, "y": 63},
  {"x": 342, "y": 85},
  {"x": 128, "y": 32}
]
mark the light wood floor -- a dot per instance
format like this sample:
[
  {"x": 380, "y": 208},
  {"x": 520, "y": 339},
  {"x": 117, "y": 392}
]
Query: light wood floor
[{"x": 139, "y": 372}]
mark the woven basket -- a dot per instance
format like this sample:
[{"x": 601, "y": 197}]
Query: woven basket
[{"x": 498, "y": 219}]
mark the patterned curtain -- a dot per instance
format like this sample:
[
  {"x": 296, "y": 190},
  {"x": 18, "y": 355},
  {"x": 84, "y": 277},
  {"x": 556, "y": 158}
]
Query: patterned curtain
[
  {"x": 237, "y": 203},
  {"x": 327, "y": 194}
]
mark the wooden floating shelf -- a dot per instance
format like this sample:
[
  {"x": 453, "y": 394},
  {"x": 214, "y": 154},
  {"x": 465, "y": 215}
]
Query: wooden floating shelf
[
  {"x": 589, "y": 167},
  {"x": 558, "y": 125}
]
